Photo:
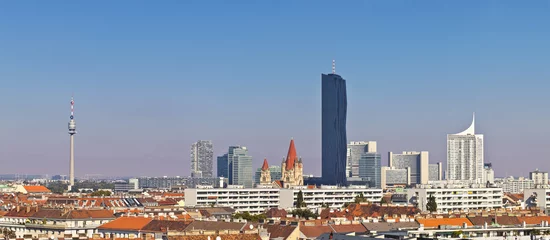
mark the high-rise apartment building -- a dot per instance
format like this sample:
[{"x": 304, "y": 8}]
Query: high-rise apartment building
[
  {"x": 202, "y": 156},
  {"x": 237, "y": 166},
  {"x": 488, "y": 173},
  {"x": 354, "y": 152},
  {"x": 417, "y": 162},
  {"x": 435, "y": 172},
  {"x": 539, "y": 178},
  {"x": 465, "y": 155},
  {"x": 334, "y": 140}
]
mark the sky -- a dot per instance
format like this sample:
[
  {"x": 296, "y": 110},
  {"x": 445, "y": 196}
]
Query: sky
[{"x": 149, "y": 78}]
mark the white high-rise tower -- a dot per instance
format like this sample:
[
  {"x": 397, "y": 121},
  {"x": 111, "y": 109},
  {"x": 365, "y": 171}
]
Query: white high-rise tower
[
  {"x": 465, "y": 155},
  {"x": 72, "y": 132}
]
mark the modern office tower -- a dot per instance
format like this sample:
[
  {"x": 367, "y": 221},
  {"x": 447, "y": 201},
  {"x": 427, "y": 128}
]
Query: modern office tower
[
  {"x": 539, "y": 178},
  {"x": 488, "y": 173},
  {"x": 274, "y": 172},
  {"x": 370, "y": 167},
  {"x": 237, "y": 165},
  {"x": 202, "y": 156},
  {"x": 334, "y": 140},
  {"x": 465, "y": 155},
  {"x": 354, "y": 151},
  {"x": 417, "y": 161},
  {"x": 435, "y": 171},
  {"x": 72, "y": 132},
  {"x": 392, "y": 177},
  {"x": 292, "y": 168}
]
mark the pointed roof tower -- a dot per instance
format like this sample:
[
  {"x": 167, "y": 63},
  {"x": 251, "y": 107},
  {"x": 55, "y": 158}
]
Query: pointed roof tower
[
  {"x": 471, "y": 129},
  {"x": 291, "y": 156},
  {"x": 265, "y": 166}
]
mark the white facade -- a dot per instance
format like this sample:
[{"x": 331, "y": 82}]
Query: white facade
[
  {"x": 512, "y": 185},
  {"x": 332, "y": 196},
  {"x": 465, "y": 155},
  {"x": 252, "y": 200},
  {"x": 417, "y": 162},
  {"x": 539, "y": 178},
  {"x": 539, "y": 198},
  {"x": 488, "y": 175},
  {"x": 257, "y": 200},
  {"x": 451, "y": 199}
]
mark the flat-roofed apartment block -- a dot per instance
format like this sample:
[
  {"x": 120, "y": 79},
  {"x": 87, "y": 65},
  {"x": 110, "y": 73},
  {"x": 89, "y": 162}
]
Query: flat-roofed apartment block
[
  {"x": 330, "y": 195},
  {"x": 539, "y": 198},
  {"x": 392, "y": 177},
  {"x": 252, "y": 200},
  {"x": 451, "y": 199}
]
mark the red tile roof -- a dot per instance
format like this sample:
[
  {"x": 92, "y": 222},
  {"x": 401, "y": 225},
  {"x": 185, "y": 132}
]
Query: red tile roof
[
  {"x": 534, "y": 220},
  {"x": 291, "y": 156}
]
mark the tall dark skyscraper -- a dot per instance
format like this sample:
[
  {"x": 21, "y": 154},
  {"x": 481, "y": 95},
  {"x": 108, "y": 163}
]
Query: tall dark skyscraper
[{"x": 334, "y": 140}]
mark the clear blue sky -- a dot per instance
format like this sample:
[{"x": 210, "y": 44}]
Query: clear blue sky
[{"x": 150, "y": 78}]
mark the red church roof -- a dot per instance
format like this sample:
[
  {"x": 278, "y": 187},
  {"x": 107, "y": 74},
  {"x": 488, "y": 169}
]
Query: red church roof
[
  {"x": 265, "y": 166},
  {"x": 291, "y": 156}
]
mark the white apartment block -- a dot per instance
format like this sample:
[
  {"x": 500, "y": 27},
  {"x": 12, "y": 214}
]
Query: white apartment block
[
  {"x": 465, "y": 155},
  {"x": 539, "y": 178},
  {"x": 332, "y": 196},
  {"x": 451, "y": 199},
  {"x": 252, "y": 200},
  {"x": 512, "y": 185},
  {"x": 417, "y": 162}
]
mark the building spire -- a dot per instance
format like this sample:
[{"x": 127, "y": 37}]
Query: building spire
[
  {"x": 471, "y": 128},
  {"x": 333, "y": 66},
  {"x": 72, "y": 107},
  {"x": 265, "y": 166}
]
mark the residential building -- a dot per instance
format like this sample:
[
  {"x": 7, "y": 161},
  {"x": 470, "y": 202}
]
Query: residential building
[
  {"x": 252, "y": 200},
  {"x": 451, "y": 199},
  {"x": 202, "y": 156},
  {"x": 465, "y": 155},
  {"x": 332, "y": 196},
  {"x": 513, "y": 185},
  {"x": 393, "y": 177},
  {"x": 488, "y": 173},
  {"x": 34, "y": 222},
  {"x": 160, "y": 182},
  {"x": 355, "y": 150},
  {"x": 370, "y": 167},
  {"x": 539, "y": 178},
  {"x": 435, "y": 172},
  {"x": 333, "y": 127},
  {"x": 416, "y": 161},
  {"x": 292, "y": 168}
]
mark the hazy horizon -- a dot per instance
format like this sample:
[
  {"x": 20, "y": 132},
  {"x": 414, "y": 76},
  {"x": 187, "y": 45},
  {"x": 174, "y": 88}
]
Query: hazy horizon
[{"x": 149, "y": 79}]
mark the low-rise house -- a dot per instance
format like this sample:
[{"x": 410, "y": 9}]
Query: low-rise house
[{"x": 41, "y": 222}]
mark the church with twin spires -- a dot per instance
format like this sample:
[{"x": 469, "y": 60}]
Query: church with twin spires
[{"x": 291, "y": 170}]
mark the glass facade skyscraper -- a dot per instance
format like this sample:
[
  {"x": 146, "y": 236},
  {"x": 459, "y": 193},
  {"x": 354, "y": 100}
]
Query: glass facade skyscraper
[
  {"x": 236, "y": 165},
  {"x": 370, "y": 167},
  {"x": 334, "y": 140}
]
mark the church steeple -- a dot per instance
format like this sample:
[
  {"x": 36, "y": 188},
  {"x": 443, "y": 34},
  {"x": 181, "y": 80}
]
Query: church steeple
[
  {"x": 265, "y": 166},
  {"x": 291, "y": 156}
]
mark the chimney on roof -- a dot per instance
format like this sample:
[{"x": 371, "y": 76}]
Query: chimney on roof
[
  {"x": 28, "y": 209},
  {"x": 18, "y": 208}
]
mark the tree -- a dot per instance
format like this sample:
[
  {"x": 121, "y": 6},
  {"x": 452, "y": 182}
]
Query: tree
[
  {"x": 304, "y": 213},
  {"x": 360, "y": 198},
  {"x": 300, "y": 200},
  {"x": 101, "y": 193},
  {"x": 248, "y": 217},
  {"x": 8, "y": 233},
  {"x": 431, "y": 205},
  {"x": 383, "y": 201}
]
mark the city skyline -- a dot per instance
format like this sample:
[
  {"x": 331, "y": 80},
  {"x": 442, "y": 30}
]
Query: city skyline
[{"x": 147, "y": 93}]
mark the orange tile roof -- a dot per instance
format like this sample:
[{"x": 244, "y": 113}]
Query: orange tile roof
[
  {"x": 436, "y": 222},
  {"x": 36, "y": 189},
  {"x": 126, "y": 224},
  {"x": 225, "y": 237},
  {"x": 534, "y": 220}
]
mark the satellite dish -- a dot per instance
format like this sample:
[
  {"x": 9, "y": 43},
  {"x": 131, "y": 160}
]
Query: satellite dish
[
  {"x": 251, "y": 226},
  {"x": 218, "y": 238}
]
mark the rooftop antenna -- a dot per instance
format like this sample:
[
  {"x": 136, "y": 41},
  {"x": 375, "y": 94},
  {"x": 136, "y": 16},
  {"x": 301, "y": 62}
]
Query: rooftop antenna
[{"x": 333, "y": 66}]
